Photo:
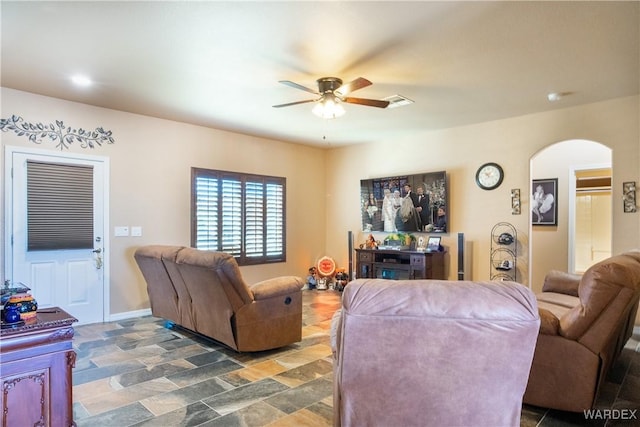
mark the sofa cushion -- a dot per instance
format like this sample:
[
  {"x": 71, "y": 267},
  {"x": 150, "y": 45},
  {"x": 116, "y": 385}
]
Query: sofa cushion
[
  {"x": 561, "y": 282},
  {"x": 557, "y": 309},
  {"x": 563, "y": 300}
]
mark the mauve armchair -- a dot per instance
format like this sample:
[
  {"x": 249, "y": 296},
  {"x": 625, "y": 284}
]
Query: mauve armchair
[{"x": 432, "y": 353}]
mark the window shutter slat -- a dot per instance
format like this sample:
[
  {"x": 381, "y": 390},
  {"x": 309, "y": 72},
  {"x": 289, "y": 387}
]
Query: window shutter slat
[{"x": 239, "y": 214}]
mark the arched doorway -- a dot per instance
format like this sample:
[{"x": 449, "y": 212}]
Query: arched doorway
[{"x": 553, "y": 246}]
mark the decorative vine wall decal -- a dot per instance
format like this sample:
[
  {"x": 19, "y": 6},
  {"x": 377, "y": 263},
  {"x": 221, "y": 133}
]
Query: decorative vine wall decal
[{"x": 63, "y": 136}]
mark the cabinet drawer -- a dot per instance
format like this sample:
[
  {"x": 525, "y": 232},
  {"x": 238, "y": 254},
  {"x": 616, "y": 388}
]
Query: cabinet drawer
[
  {"x": 417, "y": 260},
  {"x": 365, "y": 257}
]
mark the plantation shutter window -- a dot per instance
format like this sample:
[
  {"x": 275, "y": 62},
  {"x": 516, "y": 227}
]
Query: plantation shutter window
[
  {"x": 240, "y": 214},
  {"x": 59, "y": 206}
]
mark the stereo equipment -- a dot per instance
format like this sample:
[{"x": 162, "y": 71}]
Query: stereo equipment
[{"x": 460, "y": 256}]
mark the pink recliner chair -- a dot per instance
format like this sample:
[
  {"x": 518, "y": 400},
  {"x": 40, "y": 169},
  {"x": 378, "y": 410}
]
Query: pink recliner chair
[{"x": 432, "y": 353}]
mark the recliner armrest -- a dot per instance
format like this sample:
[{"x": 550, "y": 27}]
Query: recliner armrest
[
  {"x": 276, "y": 286},
  {"x": 561, "y": 282},
  {"x": 549, "y": 323},
  {"x": 336, "y": 321}
]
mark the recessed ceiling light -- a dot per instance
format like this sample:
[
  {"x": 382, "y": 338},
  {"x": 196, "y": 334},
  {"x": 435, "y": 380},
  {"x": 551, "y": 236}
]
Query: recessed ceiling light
[
  {"x": 553, "y": 97},
  {"x": 557, "y": 96},
  {"x": 81, "y": 80}
]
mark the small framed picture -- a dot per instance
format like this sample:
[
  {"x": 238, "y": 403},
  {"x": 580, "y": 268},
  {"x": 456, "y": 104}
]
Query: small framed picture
[
  {"x": 629, "y": 199},
  {"x": 433, "y": 244},
  {"x": 544, "y": 201},
  {"x": 422, "y": 244},
  {"x": 515, "y": 201}
]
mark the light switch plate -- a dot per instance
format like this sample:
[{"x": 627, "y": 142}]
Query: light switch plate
[
  {"x": 136, "y": 231},
  {"x": 121, "y": 231}
]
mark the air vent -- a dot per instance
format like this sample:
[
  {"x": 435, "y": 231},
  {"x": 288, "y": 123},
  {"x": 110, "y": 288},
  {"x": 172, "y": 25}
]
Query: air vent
[{"x": 397, "y": 101}]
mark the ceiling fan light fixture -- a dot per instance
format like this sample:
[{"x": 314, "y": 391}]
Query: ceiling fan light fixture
[{"x": 328, "y": 108}]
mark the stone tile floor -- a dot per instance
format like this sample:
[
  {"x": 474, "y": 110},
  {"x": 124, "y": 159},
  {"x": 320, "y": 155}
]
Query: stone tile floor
[{"x": 138, "y": 373}]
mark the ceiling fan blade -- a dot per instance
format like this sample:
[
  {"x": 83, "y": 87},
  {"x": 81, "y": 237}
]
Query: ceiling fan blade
[
  {"x": 297, "y": 86},
  {"x": 358, "y": 83},
  {"x": 367, "y": 102},
  {"x": 294, "y": 103}
]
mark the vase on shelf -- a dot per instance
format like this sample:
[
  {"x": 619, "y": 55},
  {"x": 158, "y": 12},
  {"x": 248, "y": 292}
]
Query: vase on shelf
[
  {"x": 11, "y": 314},
  {"x": 24, "y": 304}
]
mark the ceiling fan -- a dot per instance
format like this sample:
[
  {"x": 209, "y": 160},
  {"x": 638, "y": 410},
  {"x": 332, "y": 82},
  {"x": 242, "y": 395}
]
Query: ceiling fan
[{"x": 332, "y": 92}]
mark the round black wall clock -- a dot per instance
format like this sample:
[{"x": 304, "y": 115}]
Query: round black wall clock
[{"x": 489, "y": 176}]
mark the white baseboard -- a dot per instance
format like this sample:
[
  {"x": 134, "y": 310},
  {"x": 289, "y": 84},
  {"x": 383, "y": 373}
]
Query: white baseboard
[{"x": 129, "y": 315}]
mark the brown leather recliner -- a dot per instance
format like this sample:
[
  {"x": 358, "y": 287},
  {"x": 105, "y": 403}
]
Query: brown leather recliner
[
  {"x": 203, "y": 291},
  {"x": 585, "y": 323},
  {"x": 432, "y": 353}
]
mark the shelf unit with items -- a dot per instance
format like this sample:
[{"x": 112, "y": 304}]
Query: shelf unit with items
[{"x": 504, "y": 252}]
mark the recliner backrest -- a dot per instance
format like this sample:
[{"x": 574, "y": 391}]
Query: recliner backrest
[
  {"x": 606, "y": 290},
  {"x": 216, "y": 291},
  {"x": 163, "y": 296},
  {"x": 223, "y": 269},
  {"x": 432, "y": 352}
]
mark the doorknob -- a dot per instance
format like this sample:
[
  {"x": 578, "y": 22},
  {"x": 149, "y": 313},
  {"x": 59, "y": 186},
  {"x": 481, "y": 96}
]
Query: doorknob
[{"x": 98, "y": 258}]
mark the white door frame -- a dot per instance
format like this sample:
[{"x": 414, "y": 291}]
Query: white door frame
[
  {"x": 571, "y": 267},
  {"x": 8, "y": 214}
]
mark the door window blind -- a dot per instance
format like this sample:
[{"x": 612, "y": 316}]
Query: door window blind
[{"x": 59, "y": 206}]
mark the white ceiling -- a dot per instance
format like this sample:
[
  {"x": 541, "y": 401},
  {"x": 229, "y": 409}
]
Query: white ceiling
[{"x": 218, "y": 64}]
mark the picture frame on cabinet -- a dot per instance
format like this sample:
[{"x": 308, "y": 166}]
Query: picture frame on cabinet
[
  {"x": 544, "y": 202},
  {"x": 433, "y": 244}
]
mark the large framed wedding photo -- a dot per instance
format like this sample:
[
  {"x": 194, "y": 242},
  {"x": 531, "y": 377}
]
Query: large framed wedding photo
[{"x": 544, "y": 201}]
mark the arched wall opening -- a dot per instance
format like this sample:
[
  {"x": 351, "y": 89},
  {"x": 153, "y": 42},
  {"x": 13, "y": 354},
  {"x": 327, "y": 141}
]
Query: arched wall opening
[{"x": 551, "y": 246}]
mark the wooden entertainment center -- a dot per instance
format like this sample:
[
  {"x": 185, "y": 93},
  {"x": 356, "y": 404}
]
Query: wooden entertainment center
[
  {"x": 37, "y": 358},
  {"x": 399, "y": 264}
]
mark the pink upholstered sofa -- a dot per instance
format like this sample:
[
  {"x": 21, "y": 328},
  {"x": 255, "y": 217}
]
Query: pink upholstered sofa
[
  {"x": 432, "y": 353},
  {"x": 586, "y": 321},
  {"x": 204, "y": 291}
]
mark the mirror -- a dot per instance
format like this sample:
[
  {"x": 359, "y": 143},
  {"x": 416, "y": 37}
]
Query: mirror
[{"x": 405, "y": 203}]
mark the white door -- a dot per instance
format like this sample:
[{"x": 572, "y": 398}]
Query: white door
[
  {"x": 593, "y": 229},
  {"x": 590, "y": 216},
  {"x": 70, "y": 278}
]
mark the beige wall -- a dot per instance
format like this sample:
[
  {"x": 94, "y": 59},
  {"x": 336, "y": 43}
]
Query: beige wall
[
  {"x": 150, "y": 183},
  {"x": 460, "y": 151},
  {"x": 151, "y": 160}
]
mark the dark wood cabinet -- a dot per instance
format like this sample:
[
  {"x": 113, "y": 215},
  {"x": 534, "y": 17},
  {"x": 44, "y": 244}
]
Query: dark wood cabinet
[
  {"x": 397, "y": 264},
  {"x": 36, "y": 360}
]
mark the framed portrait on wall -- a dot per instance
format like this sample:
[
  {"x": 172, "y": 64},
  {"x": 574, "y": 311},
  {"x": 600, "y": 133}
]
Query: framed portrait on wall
[
  {"x": 424, "y": 196},
  {"x": 544, "y": 201}
]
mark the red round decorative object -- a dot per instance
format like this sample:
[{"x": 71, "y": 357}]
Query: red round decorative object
[{"x": 326, "y": 266}]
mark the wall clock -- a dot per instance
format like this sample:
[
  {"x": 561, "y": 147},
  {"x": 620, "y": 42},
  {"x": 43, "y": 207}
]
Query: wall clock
[{"x": 489, "y": 176}]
